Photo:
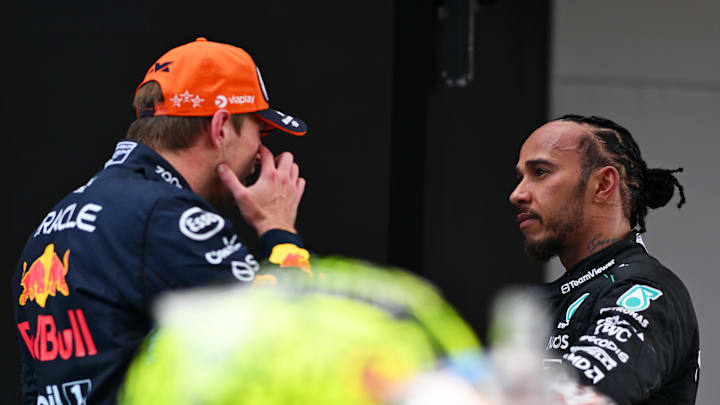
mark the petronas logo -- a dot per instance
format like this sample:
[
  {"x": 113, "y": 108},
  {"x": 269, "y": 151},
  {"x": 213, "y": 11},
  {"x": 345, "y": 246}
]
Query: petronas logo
[
  {"x": 574, "y": 306},
  {"x": 638, "y": 297}
]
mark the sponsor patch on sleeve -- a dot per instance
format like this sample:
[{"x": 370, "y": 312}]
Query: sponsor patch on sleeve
[
  {"x": 638, "y": 297},
  {"x": 289, "y": 255}
]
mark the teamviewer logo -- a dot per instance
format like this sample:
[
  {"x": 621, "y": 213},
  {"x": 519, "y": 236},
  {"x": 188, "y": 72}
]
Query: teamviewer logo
[{"x": 565, "y": 288}]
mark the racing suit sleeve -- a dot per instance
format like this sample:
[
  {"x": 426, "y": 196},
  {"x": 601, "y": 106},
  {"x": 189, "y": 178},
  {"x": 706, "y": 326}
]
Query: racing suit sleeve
[
  {"x": 187, "y": 244},
  {"x": 283, "y": 249},
  {"x": 628, "y": 349}
]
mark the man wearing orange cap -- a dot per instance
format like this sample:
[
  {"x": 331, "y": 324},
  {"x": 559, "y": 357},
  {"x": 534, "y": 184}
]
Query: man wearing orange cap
[{"x": 147, "y": 223}]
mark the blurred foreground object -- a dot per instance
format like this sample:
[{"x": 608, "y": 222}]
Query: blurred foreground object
[
  {"x": 351, "y": 334},
  {"x": 516, "y": 373}
]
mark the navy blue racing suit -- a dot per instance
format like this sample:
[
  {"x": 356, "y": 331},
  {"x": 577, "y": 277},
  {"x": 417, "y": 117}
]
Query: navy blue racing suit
[
  {"x": 626, "y": 325},
  {"x": 84, "y": 286}
]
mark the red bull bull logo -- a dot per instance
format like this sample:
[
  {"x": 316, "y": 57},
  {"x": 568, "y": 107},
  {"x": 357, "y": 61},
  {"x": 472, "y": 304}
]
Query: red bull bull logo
[
  {"x": 45, "y": 277},
  {"x": 299, "y": 261},
  {"x": 289, "y": 255}
]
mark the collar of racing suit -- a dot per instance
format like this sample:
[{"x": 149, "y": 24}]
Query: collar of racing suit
[
  {"x": 633, "y": 240},
  {"x": 139, "y": 157},
  {"x": 599, "y": 262}
]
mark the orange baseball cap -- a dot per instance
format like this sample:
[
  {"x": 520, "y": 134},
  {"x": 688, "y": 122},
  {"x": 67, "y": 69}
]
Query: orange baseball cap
[{"x": 201, "y": 77}]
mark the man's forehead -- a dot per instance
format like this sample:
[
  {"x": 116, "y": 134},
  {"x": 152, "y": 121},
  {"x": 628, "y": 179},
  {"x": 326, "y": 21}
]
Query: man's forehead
[{"x": 556, "y": 140}]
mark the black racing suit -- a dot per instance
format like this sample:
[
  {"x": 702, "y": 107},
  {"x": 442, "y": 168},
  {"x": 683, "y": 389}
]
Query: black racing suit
[
  {"x": 626, "y": 325},
  {"x": 84, "y": 286}
]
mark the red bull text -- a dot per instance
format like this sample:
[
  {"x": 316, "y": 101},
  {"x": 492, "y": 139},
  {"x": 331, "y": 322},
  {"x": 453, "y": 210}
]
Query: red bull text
[{"x": 48, "y": 342}]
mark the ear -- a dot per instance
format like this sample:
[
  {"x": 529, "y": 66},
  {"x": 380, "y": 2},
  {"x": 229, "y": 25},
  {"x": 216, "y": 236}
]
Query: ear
[
  {"x": 217, "y": 134},
  {"x": 607, "y": 182}
]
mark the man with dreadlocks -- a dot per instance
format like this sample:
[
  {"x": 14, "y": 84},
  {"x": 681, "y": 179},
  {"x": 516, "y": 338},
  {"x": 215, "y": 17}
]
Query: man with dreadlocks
[{"x": 620, "y": 319}]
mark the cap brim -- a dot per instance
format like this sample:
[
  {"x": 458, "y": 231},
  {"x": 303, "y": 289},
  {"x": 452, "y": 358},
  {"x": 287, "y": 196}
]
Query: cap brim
[{"x": 283, "y": 122}]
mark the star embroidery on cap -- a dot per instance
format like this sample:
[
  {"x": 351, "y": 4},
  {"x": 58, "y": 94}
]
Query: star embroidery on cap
[
  {"x": 197, "y": 101},
  {"x": 186, "y": 96},
  {"x": 176, "y": 100}
]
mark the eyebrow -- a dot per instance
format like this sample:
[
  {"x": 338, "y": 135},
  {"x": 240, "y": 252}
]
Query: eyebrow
[{"x": 539, "y": 162}]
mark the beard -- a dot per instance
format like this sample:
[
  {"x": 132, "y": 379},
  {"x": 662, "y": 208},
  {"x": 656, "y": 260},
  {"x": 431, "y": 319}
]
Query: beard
[{"x": 561, "y": 226}]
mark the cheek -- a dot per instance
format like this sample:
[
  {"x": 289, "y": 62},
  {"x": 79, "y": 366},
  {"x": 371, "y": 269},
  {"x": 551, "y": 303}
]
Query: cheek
[
  {"x": 252, "y": 143},
  {"x": 552, "y": 198}
]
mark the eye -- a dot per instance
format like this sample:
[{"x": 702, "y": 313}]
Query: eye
[{"x": 540, "y": 171}]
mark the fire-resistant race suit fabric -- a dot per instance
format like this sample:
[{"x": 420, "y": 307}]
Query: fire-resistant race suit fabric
[
  {"x": 626, "y": 325},
  {"x": 88, "y": 275}
]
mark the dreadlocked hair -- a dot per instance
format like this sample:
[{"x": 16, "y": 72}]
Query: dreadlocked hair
[{"x": 610, "y": 144}]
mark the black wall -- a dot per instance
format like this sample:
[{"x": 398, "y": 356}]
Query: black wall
[
  {"x": 401, "y": 169},
  {"x": 472, "y": 243}
]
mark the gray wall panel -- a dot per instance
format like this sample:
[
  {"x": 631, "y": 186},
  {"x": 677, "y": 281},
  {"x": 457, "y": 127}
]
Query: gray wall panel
[{"x": 652, "y": 67}]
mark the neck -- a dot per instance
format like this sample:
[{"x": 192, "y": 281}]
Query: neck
[
  {"x": 601, "y": 233},
  {"x": 193, "y": 165}
]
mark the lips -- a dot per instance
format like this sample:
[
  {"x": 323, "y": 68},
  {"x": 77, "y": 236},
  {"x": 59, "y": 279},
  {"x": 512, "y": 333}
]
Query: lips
[{"x": 527, "y": 218}]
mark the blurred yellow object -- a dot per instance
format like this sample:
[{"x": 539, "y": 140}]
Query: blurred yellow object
[{"x": 353, "y": 335}]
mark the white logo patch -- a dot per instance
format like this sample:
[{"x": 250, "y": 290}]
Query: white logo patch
[
  {"x": 66, "y": 218},
  {"x": 75, "y": 393},
  {"x": 221, "y": 101},
  {"x": 244, "y": 99},
  {"x": 187, "y": 97},
  {"x": 609, "y": 327},
  {"x": 167, "y": 176},
  {"x": 589, "y": 370},
  {"x": 288, "y": 119},
  {"x": 122, "y": 151},
  {"x": 217, "y": 256},
  {"x": 639, "y": 318},
  {"x": 198, "y": 224},
  {"x": 245, "y": 270},
  {"x": 599, "y": 354},
  {"x": 639, "y": 239},
  {"x": 567, "y": 287},
  {"x": 558, "y": 342}
]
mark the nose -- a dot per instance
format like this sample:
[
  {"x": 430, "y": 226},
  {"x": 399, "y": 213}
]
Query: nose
[{"x": 520, "y": 196}]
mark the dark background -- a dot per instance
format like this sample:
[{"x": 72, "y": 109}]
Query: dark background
[{"x": 402, "y": 169}]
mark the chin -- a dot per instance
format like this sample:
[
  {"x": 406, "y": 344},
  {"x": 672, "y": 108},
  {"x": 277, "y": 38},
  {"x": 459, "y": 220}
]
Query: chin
[
  {"x": 533, "y": 235},
  {"x": 543, "y": 249}
]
